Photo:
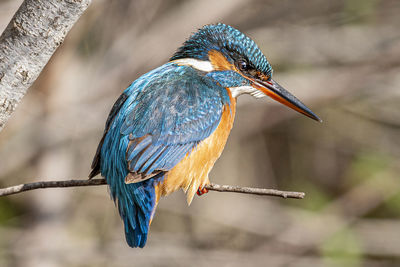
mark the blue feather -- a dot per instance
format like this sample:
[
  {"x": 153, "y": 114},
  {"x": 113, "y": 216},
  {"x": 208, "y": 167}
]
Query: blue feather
[{"x": 136, "y": 147}]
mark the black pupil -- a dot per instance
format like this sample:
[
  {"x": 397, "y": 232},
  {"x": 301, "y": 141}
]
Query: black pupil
[{"x": 243, "y": 65}]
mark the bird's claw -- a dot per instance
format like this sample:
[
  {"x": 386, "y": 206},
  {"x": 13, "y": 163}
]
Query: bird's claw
[{"x": 202, "y": 191}]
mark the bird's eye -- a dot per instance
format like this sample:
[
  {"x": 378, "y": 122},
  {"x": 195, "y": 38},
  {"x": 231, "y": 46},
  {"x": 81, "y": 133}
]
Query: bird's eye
[{"x": 243, "y": 65}]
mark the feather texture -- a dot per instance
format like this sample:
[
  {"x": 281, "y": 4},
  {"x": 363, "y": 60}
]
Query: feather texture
[{"x": 192, "y": 172}]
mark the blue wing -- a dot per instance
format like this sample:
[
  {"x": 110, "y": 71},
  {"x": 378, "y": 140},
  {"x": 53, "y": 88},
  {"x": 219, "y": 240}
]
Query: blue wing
[{"x": 168, "y": 118}]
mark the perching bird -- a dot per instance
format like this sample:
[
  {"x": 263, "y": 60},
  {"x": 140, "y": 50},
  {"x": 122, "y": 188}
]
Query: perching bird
[{"x": 168, "y": 128}]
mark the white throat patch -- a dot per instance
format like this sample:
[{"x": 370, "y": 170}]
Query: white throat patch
[
  {"x": 247, "y": 89},
  {"x": 202, "y": 65}
]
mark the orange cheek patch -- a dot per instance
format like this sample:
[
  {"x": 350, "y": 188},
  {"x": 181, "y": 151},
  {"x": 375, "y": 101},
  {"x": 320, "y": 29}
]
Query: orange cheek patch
[
  {"x": 219, "y": 61},
  {"x": 262, "y": 76}
]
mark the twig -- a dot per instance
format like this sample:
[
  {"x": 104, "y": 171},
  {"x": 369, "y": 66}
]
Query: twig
[
  {"x": 215, "y": 187},
  {"x": 255, "y": 191}
]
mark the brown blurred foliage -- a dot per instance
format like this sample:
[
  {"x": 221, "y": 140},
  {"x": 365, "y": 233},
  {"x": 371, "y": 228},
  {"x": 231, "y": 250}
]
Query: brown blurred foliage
[{"x": 340, "y": 57}]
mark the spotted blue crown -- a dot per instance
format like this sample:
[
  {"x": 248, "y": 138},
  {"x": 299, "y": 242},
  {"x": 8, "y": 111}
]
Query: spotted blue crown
[{"x": 226, "y": 39}]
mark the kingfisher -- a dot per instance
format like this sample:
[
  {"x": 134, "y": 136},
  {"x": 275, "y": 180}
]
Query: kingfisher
[{"x": 168, "y": 128}]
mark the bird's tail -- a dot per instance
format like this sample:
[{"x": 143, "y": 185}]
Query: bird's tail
[{"x": 136, "y": 204}]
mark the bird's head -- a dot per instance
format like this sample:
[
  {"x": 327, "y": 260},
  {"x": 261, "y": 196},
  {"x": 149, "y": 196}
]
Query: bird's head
[{"x": 234, "y": 61}]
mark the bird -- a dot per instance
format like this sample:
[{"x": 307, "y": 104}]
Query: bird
[{"x": 168, "y": 127}]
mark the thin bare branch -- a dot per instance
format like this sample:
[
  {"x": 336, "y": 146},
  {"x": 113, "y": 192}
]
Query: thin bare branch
[
  {"x": 255, "y": 191},
  {"x": 214, "y": 187}
]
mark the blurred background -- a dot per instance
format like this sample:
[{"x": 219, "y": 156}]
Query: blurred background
[{"x": 341, "y": 58}]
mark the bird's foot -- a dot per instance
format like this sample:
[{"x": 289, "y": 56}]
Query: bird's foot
[{"x": 202, "y": 191}]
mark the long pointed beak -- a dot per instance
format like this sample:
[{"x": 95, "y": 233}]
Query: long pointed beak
[{"x": 280, "y": 94}]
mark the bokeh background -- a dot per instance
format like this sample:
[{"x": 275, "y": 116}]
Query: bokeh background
[{"x": 342, "y": 58}]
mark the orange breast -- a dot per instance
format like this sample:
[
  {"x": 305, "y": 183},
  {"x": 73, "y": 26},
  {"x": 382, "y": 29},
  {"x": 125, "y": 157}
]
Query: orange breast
[{"x": 192, "y": 172}]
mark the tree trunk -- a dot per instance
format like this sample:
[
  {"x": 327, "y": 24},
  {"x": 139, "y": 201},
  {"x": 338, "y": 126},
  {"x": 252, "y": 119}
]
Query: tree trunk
[{"x": 28, "y": 42}]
